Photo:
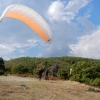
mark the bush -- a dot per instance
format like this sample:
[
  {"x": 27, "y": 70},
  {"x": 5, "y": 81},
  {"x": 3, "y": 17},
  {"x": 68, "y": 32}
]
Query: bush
[
  {"x": 1, "y": 72},
  {"x": 8, "y": 70},
  {"x": 34, "y": 72},
  {"x": 87, "y": 81},
  {"x": 75, "y": 78},
  {"x": 63, "y": 73},
  {"x": 2, "y": 67},
  {"x": 96, "y": 82},
  {"x": 19, "y": 69}
]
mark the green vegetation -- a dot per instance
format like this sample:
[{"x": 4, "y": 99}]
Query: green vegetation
[
  {"x": 2, "y": 67},
  {"x": 83, "y": 70}
]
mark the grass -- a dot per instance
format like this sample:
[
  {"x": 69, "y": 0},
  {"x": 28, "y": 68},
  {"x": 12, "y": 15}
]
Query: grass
[{"x": 47, "y": 90}]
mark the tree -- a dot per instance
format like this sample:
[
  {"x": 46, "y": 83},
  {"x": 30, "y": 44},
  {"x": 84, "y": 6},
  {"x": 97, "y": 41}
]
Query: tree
[
  {"x": 2, "y": 67},
  {"x": 19, "y": 69}
]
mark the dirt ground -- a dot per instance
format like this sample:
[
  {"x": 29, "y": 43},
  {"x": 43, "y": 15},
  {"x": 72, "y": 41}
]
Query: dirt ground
[{"x": 25, "y": 88}]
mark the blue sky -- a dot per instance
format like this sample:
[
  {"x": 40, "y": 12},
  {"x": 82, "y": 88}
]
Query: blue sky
[{"x": 75, "y": 26}]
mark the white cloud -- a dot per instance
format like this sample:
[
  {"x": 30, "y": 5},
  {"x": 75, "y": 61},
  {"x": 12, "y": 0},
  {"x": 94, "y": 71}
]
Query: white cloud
[
  {"x": 59, "y": 10},
  {"x": 56, "y": 10},
  {"x": 88, "y": 45},
  {"x": 87, "y": 26},
  {"x": 64, "y": 35},
  {"x": 5, "y": 49}
]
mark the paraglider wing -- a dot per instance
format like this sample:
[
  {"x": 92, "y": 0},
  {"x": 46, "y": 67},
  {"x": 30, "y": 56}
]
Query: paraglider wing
[{"x": 31, "y": 18}]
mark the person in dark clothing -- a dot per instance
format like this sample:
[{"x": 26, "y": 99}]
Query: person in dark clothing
[
  {"x": 40, "y": 71},
  {"x": 46, "y": 75}
]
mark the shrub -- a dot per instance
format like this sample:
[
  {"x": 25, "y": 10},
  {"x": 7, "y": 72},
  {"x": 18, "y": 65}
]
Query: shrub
[
  {"x": 96, "y": 82},
  {"x": 2, "y": 67},
  {"x": 62, "y": 73},
  {"x": 76, "y": 77},
  {"x": 19, "y": 69},
  {"x": 34, "y": 72},
  {"x": 1, "y": 72}
]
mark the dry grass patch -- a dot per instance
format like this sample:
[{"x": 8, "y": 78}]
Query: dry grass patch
[{"x": 47, "y": 90}]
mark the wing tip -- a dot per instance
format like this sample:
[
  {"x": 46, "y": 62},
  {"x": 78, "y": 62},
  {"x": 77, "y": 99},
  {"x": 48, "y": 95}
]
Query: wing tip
[{"x": 49, "y": 41}]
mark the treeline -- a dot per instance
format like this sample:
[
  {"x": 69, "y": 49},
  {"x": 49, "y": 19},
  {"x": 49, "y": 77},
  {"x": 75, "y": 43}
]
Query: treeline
[{"x": 73, "y": 68}]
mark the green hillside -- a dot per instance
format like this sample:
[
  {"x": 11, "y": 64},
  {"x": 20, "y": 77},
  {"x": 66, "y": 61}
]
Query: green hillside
[{"x": 83, "y": 70}]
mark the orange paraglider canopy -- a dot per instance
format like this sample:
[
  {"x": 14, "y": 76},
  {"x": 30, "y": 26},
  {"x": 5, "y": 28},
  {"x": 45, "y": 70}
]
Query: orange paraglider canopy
[{"x": 31, "y": 18}]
